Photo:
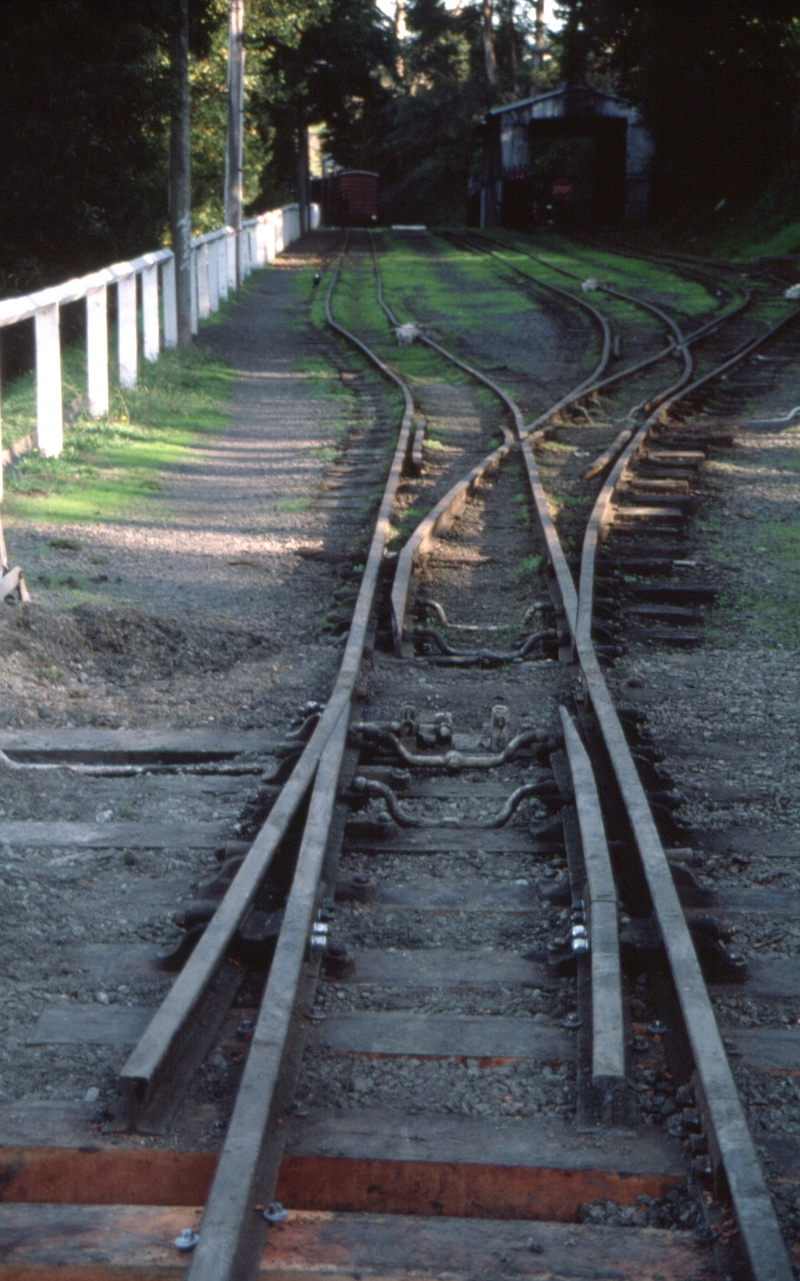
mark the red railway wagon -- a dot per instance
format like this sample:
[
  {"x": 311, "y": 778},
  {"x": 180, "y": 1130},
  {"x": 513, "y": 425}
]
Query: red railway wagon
[{"x": 348, "y": 198}]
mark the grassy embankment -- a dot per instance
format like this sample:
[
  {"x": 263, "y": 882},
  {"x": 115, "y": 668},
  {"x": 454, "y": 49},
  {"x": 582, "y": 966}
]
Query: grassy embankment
[
  {"x": 769, "y": 228},
  {"x": 111, "y": 466}
]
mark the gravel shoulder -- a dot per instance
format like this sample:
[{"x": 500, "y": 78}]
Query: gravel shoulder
[
  {"x": 206, "y": 618},
  {"x": 726, "y": 716},
  {"x": 202, "y": 610}
]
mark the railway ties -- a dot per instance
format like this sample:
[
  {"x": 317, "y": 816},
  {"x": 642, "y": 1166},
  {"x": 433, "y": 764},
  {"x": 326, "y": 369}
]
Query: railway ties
[
  {"x": 651, "y": 506},
  {"x": 480, "y": 859}
]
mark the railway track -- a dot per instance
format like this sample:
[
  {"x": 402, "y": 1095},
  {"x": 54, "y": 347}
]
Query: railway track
[{"x": 468, "y": 896}]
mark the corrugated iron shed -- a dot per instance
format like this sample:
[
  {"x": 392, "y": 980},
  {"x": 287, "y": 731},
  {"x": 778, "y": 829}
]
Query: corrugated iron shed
[{"x": 575, "y": 156}]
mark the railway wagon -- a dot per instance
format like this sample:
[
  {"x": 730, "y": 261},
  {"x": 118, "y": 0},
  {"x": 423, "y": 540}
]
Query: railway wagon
[{"x": 348, "y": 198}]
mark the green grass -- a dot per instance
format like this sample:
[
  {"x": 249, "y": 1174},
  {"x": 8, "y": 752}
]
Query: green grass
[
  {"x": 355, "y": 308},
  {"x": 750, "y": 243},
  {"x": 654, "y": 282},
  {"x": 406, "y": 524},
  {"x": 770, "y": 608},
  {"x": 111, "y": 466},
  {"x": 761, "y": 600},
  {"x": 478, "y": 294},
  {"x": 464, "y": 292},
  {"x": 300, "y": 504},
  {"x": 322, "y": 381},
  {"x": 528, "y": 567}
]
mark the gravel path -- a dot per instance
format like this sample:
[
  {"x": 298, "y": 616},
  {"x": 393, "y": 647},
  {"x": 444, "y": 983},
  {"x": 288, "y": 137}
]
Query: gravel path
[
  {"x": 205, "y": 583},
  {"x": 207, "y": 615}
]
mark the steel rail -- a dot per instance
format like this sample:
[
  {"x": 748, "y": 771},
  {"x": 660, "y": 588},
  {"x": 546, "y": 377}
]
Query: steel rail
[
  {"x": 608, "y": 455},
  {"x": 232, "y": 1233},
  {"x": 599, "y": 516},
  {"x": 442, "y": 515},
  {"x": 608, "y": 1043},
  {"x": 752, "y": 1203},
  {"x": 680, "y": 343},
  {"x": 749, "y": 1193},
  {"x": 608, "y": 1027},
  {"x": 603, "y": 460},
  {"x": 445, "y": 510},
  {"x": 153, "y": 1074},
  {"x": 587, "y": 385}
]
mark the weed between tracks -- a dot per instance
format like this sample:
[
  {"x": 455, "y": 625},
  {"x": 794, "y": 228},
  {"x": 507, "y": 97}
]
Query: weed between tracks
[
  {"x": 356, "y": 309},
  {"x": 479, "y": 297},
  {"x": 654, "y": 281}
]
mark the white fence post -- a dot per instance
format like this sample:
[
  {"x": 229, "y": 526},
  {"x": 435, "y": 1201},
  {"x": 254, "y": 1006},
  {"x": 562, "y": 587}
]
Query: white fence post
[
  {"x": 222, "y": 265},
  {"x": 49, "y": 408},
  {"x": 97, "y": 351},
  {"x": 152, "y": 340},
  {"x": 193, "y": 257},
  {"x": 128, "y": 337},
  {"x": 213, "y": 276},
  {"x": 170, "y": 302},
  {"x": 230, "y": 240},
  {"x": 203, "y": 301}
]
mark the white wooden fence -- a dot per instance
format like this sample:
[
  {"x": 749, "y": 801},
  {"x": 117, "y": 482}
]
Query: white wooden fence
[{"x": 146, "y": 312}]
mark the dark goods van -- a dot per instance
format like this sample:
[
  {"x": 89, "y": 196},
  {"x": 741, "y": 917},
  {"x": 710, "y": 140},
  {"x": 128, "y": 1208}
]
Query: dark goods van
[{"x": 348, "y": 198}]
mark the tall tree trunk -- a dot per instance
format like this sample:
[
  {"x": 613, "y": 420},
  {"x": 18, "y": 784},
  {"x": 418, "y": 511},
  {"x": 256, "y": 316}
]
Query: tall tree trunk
[
  {"x": 180, "y": 170},
  {"x": 303, "y": 183},
  {"x": 512, "y": 35},
  {"x": 400, "y": 33},
  {"x": 539, "y": 35},
  {"x": 234, "y": 157},
  {"x": 488, "y": 42}
]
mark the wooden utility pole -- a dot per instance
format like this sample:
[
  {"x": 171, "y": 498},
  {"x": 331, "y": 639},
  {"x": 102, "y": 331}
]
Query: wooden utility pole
[
  {"x": 488, "y": 42},
  {"x": 180, "y": 169},
  {"x": 234, "y": 154},
  {"x": 539, "y": 35}
]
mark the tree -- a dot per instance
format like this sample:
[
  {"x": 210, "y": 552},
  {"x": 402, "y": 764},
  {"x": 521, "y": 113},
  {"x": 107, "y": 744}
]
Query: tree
[
  {"x": 718, "y": 84},
  {"x": 234, "y": 150},
  {"x": 82, "y": 151},
  {"x": 180, "y": 170},
  {"x": 333, "y": 63}
]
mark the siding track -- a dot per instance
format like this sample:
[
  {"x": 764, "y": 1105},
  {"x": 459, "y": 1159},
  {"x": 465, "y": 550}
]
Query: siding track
[{"x": 478, "y": 950}]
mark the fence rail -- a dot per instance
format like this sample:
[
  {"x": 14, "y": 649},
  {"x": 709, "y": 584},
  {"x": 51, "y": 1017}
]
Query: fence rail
[{"x": 146, "y": 312}]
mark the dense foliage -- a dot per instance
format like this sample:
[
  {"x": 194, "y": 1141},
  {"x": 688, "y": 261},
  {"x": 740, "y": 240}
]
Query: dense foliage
[
  {"x": 719, "y": 82},
  {"x": 80, "y": 85},
  {"x": 84, "y": 96}
]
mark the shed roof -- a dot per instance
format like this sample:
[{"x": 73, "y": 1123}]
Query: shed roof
[{"x": 573, "y": 92}]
